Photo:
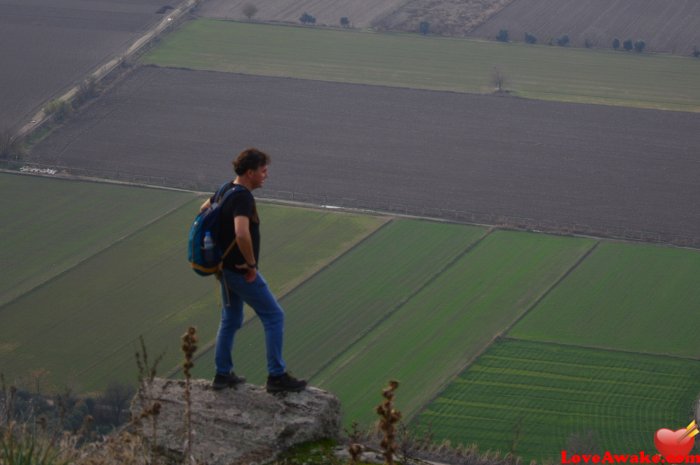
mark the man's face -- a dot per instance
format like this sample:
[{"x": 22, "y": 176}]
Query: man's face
[{"x": 257, "y": 177}]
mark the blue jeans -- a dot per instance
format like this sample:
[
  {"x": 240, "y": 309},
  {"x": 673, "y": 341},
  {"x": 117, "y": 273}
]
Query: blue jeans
[{"x": 235, "y": 291}]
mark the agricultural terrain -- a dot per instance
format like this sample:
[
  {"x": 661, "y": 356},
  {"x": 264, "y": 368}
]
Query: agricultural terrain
[
  {"x": 530, "y": 397},
  {"x": 669, "y": 27},
  {"x": 627, "y": 297},
  {"x": 445, "y": 17},
  {"x": 367, "y": 299},
  {"x": 138, "y": 283},
  {"x": 552, "y": 335},
  {"x": 553, "y": 166},
  {"x": 360, "y": 13},
  {"x": 49, "y": 46},
  {"x": 459, "y": 65},
  {"x": 56, "y": 226},
  {"x": 450, "y": 320}
]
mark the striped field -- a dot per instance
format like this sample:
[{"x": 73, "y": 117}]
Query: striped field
[
  {"x": 50, "y": 225},
  {"x": 530, "y": 397},
  {"x": 432, "y": 336}
]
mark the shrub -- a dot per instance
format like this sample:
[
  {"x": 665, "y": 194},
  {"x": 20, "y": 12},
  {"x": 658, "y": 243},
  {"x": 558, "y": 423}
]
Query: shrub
[
  {"x": 628, "y": 45},
  {"x": 563, "y": 41},
  {"x": 616, "y": 43},
  {"x": 345, "y": 21},
  {"x": 59, "y": 109},
  {"x": 639, "y": 46},
  {"x": 587, "y": 43},
  {"x": 307, "y": 19},
  {"x": 87, "y": 91},
  {"x": 530, "y": 39},
  {"x": 696, "y": 52},
  {"x": 502, "y": 35}
]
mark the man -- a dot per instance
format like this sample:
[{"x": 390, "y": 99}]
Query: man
[{"x": 241, "y": 282}]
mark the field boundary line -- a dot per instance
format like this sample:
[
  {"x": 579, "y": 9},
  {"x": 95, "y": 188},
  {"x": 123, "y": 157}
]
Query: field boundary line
[
  {"x": 321, "y": 201},
  {"x": 556, "y": 283},
  {"x": 603, "y": 348},
  {"x": 405, "y": 300},
  {"x": 501, "y": 335},
  {"x": 117, "y": 241},
  {"x": 210, "y": 345}
]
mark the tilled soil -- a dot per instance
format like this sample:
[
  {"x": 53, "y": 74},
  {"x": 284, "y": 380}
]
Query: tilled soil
[
  {"x": 551, "y": 166},
  {"x": 50, "y": 45}
]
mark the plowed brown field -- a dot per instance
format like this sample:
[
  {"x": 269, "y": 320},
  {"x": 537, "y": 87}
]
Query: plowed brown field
[
  {"x": 50, "y": 45},
  {"x": 424, "y": 152},
  {"x": 361, "y": 13},
  {"x": 665, "y": 26}
]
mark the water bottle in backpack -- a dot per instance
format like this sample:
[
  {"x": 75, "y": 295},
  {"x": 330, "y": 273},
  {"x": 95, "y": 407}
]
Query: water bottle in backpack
[{"x": 208, "y": 248}]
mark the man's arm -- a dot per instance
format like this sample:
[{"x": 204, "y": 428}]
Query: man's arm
[
  {"x": 241, "y": 225},
  {"x": 205, "y": 205}
]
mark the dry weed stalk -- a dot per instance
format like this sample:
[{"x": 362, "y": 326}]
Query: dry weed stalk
[
  {"x": 8, "y": 397},
  {"x": 388, "y": 417},
  {"x": 355, "y": 449},
  {"x": 189, "y": 347},
  {"x": 150, "y": 408}
]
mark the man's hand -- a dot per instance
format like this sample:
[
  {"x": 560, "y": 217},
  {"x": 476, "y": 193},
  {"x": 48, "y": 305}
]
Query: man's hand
[{"x": 251, "y": 274}]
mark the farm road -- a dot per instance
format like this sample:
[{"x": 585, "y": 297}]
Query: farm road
[
  {"x": 600, "y": 167},
  {"x": 50, "y": 45}
]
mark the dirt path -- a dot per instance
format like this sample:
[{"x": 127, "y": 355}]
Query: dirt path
[{"x": 103, "y": 70}]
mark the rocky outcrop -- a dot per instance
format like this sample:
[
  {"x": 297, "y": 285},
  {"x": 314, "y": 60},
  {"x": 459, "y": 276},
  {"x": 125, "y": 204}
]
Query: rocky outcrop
[{"x": 240, "y": 425}]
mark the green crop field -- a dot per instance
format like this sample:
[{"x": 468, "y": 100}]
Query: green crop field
[
  {"x": 81, "y": 327},
  {"x": 531, "y": 397},
  {"x": 410, "y": 60},
  {"x": 335, "y": 308},
  {"x": 431, "y": 337},
  {"x": 50, "y": 225},
  {"x": 633, "y": 297}
]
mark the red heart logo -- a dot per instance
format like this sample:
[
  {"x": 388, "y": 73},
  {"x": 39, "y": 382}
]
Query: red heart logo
[{"x": 674, "y": 445}]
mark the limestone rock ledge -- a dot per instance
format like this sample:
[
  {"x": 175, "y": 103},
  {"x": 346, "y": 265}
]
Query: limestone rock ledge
[{"x": 241, "y": 425}]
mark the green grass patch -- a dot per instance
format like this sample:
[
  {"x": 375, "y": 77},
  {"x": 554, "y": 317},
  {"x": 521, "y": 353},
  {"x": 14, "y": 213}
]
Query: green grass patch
[
  {"x": 50, "y": 225},
  {"x": 549, "y": 392},
  {"x": 431, "y": 337},
  {"x": 82, "y": 326},
  {"x": 640, "y": 298},
  {"x": 335, "y": 308},
  {"x": 409, "y": 60}
]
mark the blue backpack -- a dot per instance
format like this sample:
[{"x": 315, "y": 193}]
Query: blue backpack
[{"x": 205, "y": 252}]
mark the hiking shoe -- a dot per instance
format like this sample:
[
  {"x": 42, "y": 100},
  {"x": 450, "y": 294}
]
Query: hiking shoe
[
  {"x": 226, "y": 381},
  {"x": 284, "y": 383}
]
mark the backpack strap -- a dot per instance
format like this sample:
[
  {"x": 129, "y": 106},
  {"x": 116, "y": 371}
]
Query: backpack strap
[{"x": 229, "y": 193}]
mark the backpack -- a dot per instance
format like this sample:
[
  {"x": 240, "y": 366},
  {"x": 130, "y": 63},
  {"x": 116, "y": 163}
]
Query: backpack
[{"x": 205, "y": 260}]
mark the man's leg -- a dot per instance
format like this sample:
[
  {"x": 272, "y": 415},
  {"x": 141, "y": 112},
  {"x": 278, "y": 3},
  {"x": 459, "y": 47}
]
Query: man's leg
[
  {"x": 258, "y": 295},
  {"x": 231, "y": 321}
]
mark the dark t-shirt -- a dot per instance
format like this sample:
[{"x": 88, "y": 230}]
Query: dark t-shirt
[{"x": 241, "y": 203}]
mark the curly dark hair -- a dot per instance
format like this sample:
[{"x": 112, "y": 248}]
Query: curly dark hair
[{"x": 250, "y": 159}]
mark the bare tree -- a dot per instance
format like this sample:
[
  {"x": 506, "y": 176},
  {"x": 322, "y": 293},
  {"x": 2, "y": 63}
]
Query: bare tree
[
  {"x": 11, "y": 146},
  {"x": 115, "y": 401},
  {"x": 249, "y": 10},
  {"x": 499, "y": 79}
]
